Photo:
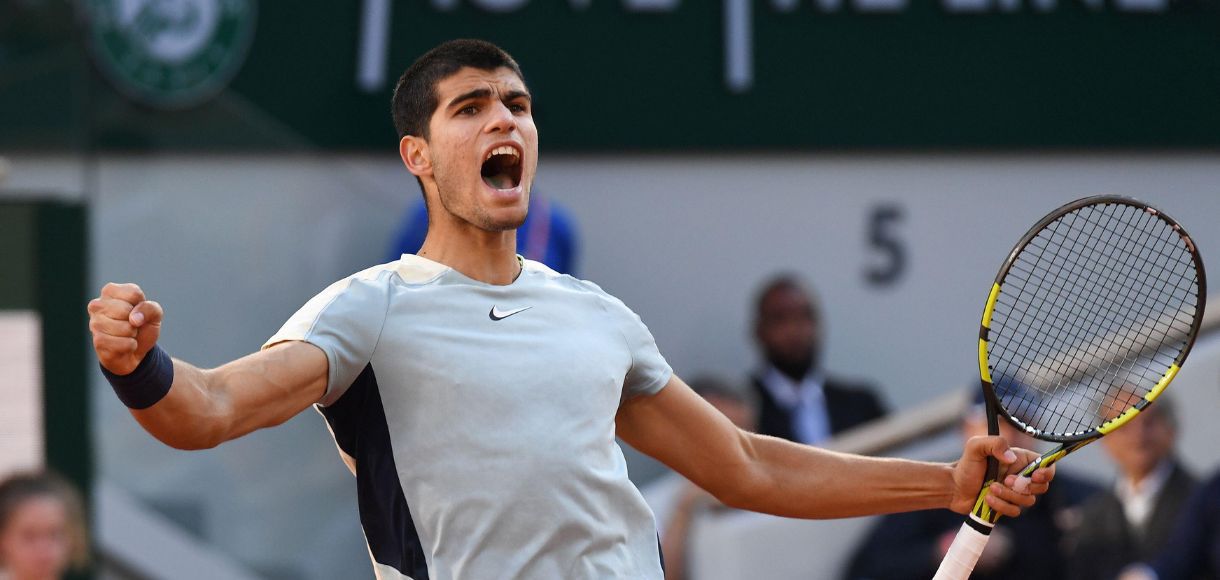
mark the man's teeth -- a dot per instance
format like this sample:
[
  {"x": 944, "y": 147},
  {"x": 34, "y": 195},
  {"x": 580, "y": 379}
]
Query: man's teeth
[{"x": 503, "y": 150}]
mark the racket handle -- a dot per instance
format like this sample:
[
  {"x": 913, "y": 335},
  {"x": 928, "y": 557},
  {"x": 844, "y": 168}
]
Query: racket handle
[{"x": 960, "y": 559}]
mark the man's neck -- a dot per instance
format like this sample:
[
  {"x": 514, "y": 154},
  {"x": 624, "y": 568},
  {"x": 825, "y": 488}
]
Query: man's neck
[
  {"x": 489, "y": 257},
  {"x": 1137, "y": 482}
]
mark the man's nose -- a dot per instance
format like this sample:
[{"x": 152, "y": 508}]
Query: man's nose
[{"x": 502, "y": 119}]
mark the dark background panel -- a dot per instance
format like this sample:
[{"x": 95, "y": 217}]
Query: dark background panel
[
  {"x": 43, "y": 245},
  {"x": 610, "y": 79}
]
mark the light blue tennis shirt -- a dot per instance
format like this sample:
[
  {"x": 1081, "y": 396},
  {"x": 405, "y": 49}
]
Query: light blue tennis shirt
[{"x": 479, "y": 421}]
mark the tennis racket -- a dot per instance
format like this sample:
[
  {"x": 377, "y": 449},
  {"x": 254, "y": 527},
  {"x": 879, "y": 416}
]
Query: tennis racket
[{"x": 1088, "y": 321}]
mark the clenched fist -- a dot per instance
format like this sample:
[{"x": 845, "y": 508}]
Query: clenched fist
[{"x": 125, "y": 326}]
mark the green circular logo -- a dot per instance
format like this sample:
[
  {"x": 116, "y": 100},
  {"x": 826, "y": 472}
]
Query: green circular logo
[{"x": 170, "y": 54}]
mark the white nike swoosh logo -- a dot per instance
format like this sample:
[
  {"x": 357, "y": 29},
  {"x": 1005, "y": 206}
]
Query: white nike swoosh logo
[{"x": 497, "y": 314}]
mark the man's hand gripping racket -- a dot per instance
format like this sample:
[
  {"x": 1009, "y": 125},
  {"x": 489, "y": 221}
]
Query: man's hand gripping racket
[{"x": 1088, "y": 321}]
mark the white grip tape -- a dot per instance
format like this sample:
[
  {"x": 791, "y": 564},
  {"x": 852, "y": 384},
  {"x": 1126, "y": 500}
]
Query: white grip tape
[
  {"x": 959, "y": 560},
  {"x": 1022, "y": 484}
]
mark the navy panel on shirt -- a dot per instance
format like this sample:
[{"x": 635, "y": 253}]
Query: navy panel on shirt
[{"x": 359, "y": 425}]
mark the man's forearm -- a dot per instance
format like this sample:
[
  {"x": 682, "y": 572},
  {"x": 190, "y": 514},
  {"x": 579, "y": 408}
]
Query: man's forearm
[
  {"x": 191, "y": 416},
  {"x": 792, "y": 480}
]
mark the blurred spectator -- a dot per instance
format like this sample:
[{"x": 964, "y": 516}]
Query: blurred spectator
[
  {"x": 797, "y": 400},
  {"x": 42, "y": 529},
  {"x": 910, "y": 546},
  {"x": 1192, "y": 551},
  {"x": 677, "y": 503},
  {"x": 1132, "y": 521},
  {"x": 548, "y": 234}
]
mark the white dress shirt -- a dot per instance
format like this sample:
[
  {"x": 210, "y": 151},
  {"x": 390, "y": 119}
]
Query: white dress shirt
[
  {"x": 1138, "y": 500},
  {"x": 805, "y": 401}
]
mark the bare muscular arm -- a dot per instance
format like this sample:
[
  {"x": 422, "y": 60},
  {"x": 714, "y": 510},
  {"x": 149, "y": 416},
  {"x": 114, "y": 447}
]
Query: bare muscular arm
[
  {"x": 204, "y": 408},
  {"x": 770, "y": 475}
]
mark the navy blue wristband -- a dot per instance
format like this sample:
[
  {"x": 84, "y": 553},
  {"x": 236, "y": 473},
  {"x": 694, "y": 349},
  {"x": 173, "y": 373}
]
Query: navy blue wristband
[{"x": 146, "y": 385}]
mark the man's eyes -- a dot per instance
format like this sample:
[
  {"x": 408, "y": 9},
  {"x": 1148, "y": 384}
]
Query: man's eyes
[{"x": 471, "y": 110}]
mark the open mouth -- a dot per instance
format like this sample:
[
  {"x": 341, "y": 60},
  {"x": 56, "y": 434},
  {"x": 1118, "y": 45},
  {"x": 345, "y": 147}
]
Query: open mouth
[{"x": 502, "y": 168}]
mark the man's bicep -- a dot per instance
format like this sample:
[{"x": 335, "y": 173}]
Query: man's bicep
[
  {"x": 205, "y": 408},
  {"x": 301, "y": 365},
  {"x": 273, "y": 385},
  {"x": 680, "y": 429}
]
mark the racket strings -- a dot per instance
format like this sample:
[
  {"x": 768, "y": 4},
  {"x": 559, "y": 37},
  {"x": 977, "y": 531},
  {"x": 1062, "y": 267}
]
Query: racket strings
[
  {"x": 1109, "y": 298},
  {"x": 1080, "y": 261},
  {"x": 1057, "y": 310},
  {"x": 1151, "y": 371},
  {"x": 1077, "y": 262},
  {"x": 1091, "y": 313},
  {"x": 1047, "y": 318},
  {"x": 1083, "y": 267}
]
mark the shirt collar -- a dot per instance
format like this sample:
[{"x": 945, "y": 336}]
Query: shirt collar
[
  {"x": 1126, "y": 489},
  {"x": 789, "y": 393}
]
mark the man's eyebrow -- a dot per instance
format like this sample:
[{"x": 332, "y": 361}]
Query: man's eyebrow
[
  {"x": 484, "y": 93},
  {"x": 470, "y": 95},
  {"x": 513, "y": 95}
]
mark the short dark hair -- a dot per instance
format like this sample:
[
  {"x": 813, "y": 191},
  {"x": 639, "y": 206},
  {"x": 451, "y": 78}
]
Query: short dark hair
[
  {"x": 784, "y": 281},
  {"x": 415, "y": 96}
]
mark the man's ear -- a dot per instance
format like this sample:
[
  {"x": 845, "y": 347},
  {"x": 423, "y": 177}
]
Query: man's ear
[{"x": 415, "y": 155}]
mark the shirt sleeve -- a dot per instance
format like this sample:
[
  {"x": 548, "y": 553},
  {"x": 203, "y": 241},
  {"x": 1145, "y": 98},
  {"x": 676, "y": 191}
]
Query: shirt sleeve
[
  {"x": 649, "y": 371},
  {"x": 345, "y": 321}
]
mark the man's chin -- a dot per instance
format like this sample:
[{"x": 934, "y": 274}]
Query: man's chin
[
  {"x": 795, "y": 367},
  {"x": 504, "y": 226},
  {"x": 503, "y": 223}
]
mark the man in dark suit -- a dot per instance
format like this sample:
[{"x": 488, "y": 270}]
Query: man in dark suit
[
  {"x": 1132, "y": 521},
  {"x": 797, "y": 400},
  {"x": 1193, "y": 549}
]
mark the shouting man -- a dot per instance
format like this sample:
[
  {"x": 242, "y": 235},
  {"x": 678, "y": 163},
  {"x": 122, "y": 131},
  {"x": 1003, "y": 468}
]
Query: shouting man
[{"x": 476, "y": 395}]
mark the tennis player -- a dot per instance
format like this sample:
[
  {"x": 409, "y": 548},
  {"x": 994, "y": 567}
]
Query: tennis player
[{"x": 476, "y": 395}]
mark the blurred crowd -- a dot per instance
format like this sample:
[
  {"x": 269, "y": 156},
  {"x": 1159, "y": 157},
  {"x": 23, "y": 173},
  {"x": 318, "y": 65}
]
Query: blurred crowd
[
  {"x": 1155, "y": 521},
  {"x": 42, "y": 527}
]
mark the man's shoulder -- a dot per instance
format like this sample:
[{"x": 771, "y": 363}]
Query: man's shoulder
[
  {"x": 1104, "y": 498},
  {"x": 409, "y": 268},
  {"x": 359, "y": 300},
  {"x": 374, "y": 272},
  {"x": 1210, "y": 491},
  {"x": 376, "y": 280},
  {"x": 1181, "y": 478},
  {"x": 381, "y": 271},
  {"x": 849, "y": 386},
  {"x": 853, "y": 391},
  {"x": 1074, "y": 490},
  {"x": 568, "y": 282}
]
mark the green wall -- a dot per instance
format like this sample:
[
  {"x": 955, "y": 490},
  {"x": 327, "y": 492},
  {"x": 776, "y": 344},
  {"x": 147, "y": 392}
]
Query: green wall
[{"x": 607, "y": 77}]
